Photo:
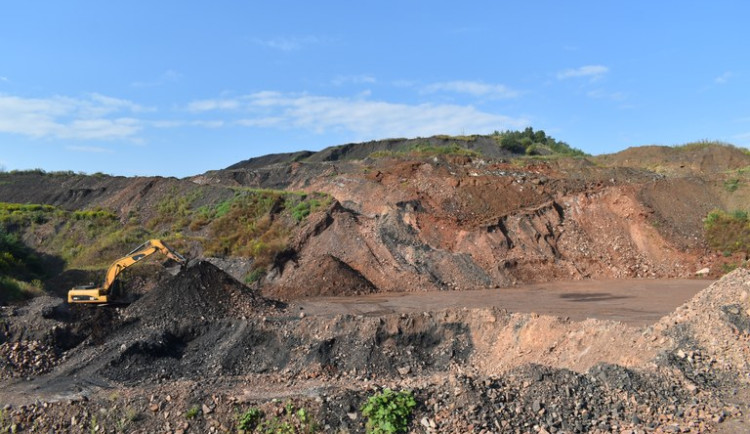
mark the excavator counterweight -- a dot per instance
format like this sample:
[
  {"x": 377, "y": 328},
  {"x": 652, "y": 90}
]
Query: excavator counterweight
[{"x": 103, "y": 294}]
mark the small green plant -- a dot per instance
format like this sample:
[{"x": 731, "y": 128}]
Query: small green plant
[
  {"x": 255, "y": 276},
  {"x": 731, "y": 185},
  {"x": 128, "y": 416},
  {"x": 94, "y": 426},
  {"x": 249, "y": 419},
  {"x": 389, "y": 412},
  {"x": 293, "y": 421},
  {"x": 192, "y": 412}
]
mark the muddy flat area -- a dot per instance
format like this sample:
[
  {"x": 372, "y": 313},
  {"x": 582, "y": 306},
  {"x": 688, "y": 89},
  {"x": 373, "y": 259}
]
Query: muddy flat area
[{"x": 637, "y": 302}]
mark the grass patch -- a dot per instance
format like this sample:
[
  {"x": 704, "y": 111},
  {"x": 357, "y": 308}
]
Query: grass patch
[
  {"x": 702, "y": 144},
  {"x": 16, "y": 290},
  {"x": 258, "y": 223},
  {"x": 426, "y": 150},
  {"x": 731, "y": 185},
  {"x": 14, "y": 215},
  {"x": 291, "y": 420},
  {"x": 728, "y": 232}
]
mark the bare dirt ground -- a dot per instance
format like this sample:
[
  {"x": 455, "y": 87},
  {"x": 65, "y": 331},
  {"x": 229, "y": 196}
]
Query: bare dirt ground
[
  {"x": 637, "y": 302},
  {"x": 614, "y": 345},
  {"x": 203, "y": 344}
]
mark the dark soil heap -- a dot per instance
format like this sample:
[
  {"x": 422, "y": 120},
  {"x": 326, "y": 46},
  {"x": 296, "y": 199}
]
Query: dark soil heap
[{"x": 201, "y": 292}]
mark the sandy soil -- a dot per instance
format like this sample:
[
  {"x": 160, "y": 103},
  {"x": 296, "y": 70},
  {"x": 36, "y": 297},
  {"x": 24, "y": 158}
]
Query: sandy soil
[{"x": 636, "y": 302}]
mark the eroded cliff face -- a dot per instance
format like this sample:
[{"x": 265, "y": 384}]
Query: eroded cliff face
[{"x": 461, "y": 225}]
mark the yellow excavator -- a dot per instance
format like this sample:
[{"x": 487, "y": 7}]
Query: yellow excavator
[{"x": 104, "y": 293}]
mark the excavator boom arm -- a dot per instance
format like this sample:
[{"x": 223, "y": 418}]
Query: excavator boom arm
[{"x": 100, "y": 295}]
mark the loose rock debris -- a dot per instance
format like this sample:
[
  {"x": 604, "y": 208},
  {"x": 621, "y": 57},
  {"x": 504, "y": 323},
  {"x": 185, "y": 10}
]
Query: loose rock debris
[{"x": 204, "y": 341}]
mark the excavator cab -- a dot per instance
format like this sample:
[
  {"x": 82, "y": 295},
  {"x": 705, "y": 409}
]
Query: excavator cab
[{"x": 106, "y": 293}]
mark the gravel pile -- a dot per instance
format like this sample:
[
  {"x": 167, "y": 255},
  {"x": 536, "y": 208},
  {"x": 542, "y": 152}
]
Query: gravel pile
[{"x": 25, "y": 358}]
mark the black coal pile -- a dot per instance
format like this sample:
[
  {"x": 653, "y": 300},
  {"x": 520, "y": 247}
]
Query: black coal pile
[{"x": 200, "y": 293}]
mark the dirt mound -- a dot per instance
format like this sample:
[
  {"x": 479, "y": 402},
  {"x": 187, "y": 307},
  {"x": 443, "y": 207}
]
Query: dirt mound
[
  {"x": 201, "y": 292},
  {"x": 703, "y": 158},
  {"x": 327, "y": 275}
]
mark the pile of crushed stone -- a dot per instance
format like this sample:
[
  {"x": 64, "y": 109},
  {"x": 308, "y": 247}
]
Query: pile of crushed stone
[
  {"x": 201, "y": 292},
  {"x": 710, "y": 334},
  {"x": 25, "y": 358}
]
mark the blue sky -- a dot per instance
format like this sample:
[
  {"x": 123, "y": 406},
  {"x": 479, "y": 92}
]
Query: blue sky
[{"x": 176, "y": 88}]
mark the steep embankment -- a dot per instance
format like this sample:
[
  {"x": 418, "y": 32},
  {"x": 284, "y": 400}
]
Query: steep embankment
[
  {"x": 462, "y": 224},
  {"x": 411, "y": 216}
]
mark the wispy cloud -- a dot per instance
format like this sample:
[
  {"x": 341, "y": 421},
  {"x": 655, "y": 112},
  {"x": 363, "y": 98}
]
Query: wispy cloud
[
  {"x": 474, "y": 88},
  {"x": 288, "y": 43},
  {"x": 363, "y": 117},
  {"x": 90, "y": 149},
  {"x": 340, "y": 80},
  {"x": 745, "y": 137},
  {"x": 212, "y": 104},
  {"x": 168, "y": 76},
  {"x": 94, "y": 117},
  {"x": 589, "y": 71},
  {"x": 4, "y": 79},
  {"x": 602, "y": 94},
  {"x": 724, "y": 78}
]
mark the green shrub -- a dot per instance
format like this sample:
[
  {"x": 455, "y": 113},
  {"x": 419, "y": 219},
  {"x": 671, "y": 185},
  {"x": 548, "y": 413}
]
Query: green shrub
[
  {"x": 532, "y": 142},
  {"x": 389, "y": 412}
]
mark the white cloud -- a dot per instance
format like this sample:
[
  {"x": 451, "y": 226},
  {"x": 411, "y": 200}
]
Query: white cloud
[
  {"x": 724, "y": 78},
  {"x": 90, "y": 149},
  {"x": 4, "y": 79},
  {"x": 363, "y": 117},
  {"x": 474, "y": 88},
  {"x": 94, "y": 117},
  {"x": 591, "y": 71},
  {"x": 212, "y": 104},
  {"x": 286, "y": 43}
]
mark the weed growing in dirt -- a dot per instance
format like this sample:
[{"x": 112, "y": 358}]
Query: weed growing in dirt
[
  {"x": 731, "y": 185},
  {"x": 128, "y": 417},
  {"x": 255, "y": 276},
  {"x": 192, "y": 412},
  {"x": 389, "y": 412},
  {"x": 94, "y": 425},
  {"x": 6, "y": 423},
  {"x": 249, "y": 419},
  {"x": 292, "y": 421}
]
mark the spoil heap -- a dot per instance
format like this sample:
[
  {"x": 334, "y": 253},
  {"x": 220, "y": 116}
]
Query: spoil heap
[{"x": 202, "y": 292}]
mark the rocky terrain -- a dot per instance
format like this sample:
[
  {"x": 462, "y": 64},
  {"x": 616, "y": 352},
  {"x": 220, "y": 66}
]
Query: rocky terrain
[{"x": 199, "y": 351}]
